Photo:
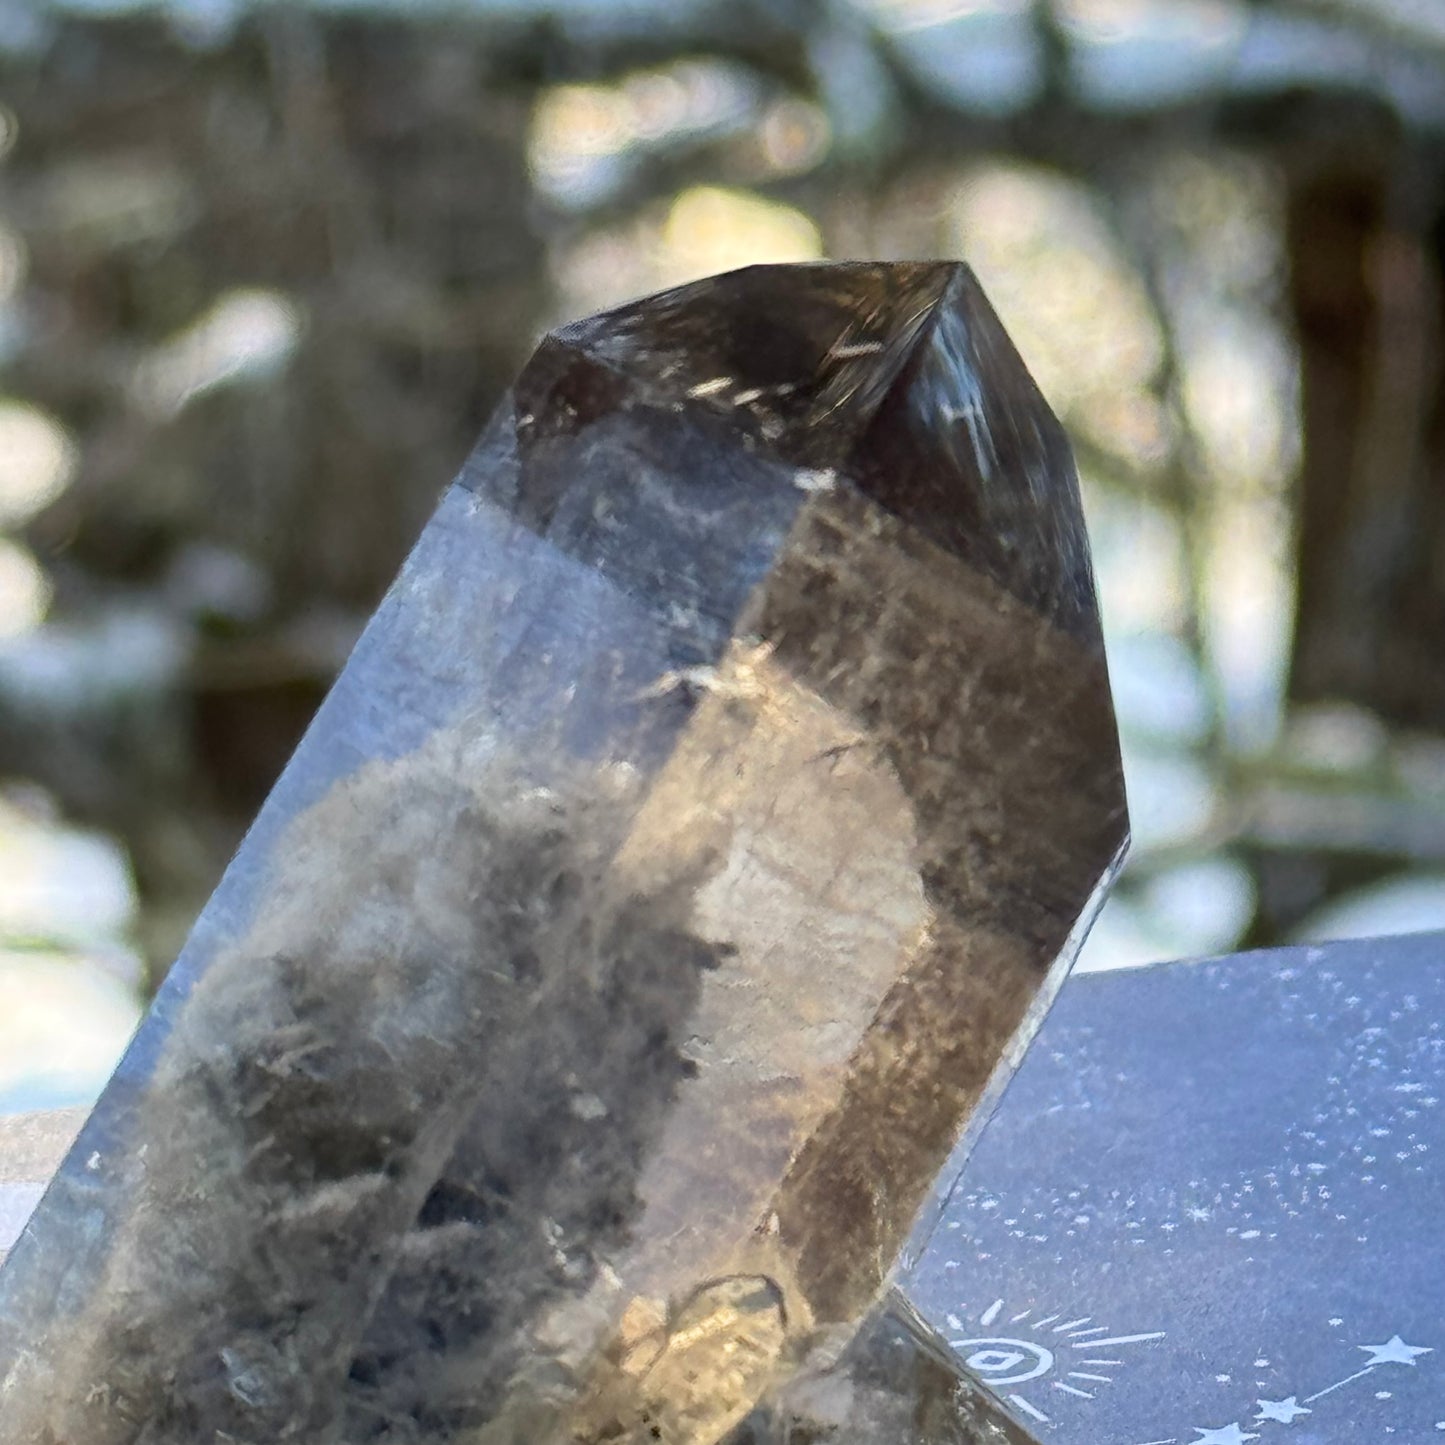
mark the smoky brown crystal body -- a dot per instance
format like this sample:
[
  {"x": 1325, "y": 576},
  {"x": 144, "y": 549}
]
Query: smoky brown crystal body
[{"x": 692, "y": 842}]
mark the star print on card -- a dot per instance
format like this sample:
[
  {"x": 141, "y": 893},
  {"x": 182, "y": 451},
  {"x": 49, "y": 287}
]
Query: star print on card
[
  {"x": 1396, "y": 1352},
  {"x": 1228, "y": 1435},
  {"x": 1283, "y": 1411}
]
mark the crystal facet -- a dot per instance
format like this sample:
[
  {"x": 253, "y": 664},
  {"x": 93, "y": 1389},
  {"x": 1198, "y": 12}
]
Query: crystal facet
[{"x": 700, "y": 826}]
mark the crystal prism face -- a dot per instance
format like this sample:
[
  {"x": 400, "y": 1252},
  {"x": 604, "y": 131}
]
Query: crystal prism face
[{"x": 693, "y": 839}]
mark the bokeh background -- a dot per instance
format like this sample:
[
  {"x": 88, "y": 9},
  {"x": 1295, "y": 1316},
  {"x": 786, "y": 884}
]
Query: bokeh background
[{"x": 264, "y": 270}]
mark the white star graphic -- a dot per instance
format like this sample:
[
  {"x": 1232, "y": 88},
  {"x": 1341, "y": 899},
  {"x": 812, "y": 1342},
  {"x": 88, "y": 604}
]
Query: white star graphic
[
  {"x": 1282, "y": 1410},
  {"x": 1228, "y": 1435},
  {"x": 1396, "y": 1352}
]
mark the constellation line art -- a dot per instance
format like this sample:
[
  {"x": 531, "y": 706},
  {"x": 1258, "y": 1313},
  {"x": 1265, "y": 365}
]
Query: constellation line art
[{"x": 1395, "y": 1351}]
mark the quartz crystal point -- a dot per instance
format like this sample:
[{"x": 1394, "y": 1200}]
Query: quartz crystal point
[{"x": 698, "y": 829}]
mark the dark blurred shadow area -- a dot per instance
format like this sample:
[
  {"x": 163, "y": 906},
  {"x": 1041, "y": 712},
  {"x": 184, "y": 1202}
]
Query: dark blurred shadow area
[{"x": 264, "y": 270}]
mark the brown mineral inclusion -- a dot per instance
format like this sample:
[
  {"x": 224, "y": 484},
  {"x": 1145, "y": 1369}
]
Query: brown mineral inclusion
[{"x": 693, "y": 840}]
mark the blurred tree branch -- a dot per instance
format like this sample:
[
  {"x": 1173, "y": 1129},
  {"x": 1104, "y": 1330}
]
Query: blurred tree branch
[{"x": 372, "y": 174}]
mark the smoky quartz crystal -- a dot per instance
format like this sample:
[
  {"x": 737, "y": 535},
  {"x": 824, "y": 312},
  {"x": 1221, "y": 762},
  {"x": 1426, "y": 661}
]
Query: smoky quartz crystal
[{"x": 685, "y": 855}]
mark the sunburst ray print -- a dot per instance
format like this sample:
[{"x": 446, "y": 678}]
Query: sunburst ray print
[{"x": 1037, "y": 1359}]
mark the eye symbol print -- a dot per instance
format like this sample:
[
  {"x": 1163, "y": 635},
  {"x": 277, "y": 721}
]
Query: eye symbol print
[
  {"x": 1006, "y": 1362},
  {"x": 1054, "y": 1352}
]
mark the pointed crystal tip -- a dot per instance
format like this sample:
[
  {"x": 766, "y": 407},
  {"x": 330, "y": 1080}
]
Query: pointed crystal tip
[{"x": 897, "y": 378}]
